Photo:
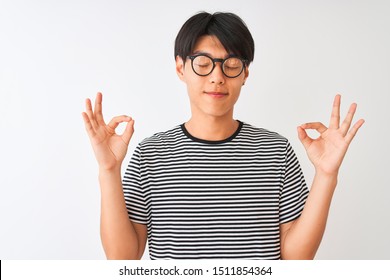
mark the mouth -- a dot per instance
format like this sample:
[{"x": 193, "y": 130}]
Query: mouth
[{"x": 216, "y": 94}]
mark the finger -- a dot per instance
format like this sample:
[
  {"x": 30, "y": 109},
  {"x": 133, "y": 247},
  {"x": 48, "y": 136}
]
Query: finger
[
  {"x": 348, "y": 119},
  {"x": 98, "y": 109},
  {"x": 335, "y": 117},
  {"x": 90, "y": 113},
  {"x": 128, "y": 133},
  {"x": 320, "y": 127},
  {"x": 351, "y": 134},
  {"x": 88, "y": 126},
  {"x": 113, "y": 124},
  {"x": 303, "y": 137}
]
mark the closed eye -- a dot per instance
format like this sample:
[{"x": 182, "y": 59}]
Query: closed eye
[{"x": 203, "y": 65}]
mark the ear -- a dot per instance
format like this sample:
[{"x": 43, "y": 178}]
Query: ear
[
  {"x": 246, "y": 72},
  {"x": 180, "y": 68}
]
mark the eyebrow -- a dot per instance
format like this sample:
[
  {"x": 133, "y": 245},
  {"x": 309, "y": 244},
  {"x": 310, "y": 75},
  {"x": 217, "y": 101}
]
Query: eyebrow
[{"x": 208, "y": 54}]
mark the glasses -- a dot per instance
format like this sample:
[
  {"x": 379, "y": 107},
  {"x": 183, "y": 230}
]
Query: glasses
[{"x": 203, "y": 65}]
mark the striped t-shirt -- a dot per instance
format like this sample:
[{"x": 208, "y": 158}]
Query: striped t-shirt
[{"x": 214, "y": 199}]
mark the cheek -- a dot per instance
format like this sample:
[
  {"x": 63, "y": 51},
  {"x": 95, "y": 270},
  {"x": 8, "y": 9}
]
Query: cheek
[
  {"x": 236, "y": 86},
  {"x": 193, "y": 82},
  {"x": 194, "y": 89}
]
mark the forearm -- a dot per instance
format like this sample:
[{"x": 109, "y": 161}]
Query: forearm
[
  {"x": 118, "y": 234},
  {"x": 303, "y": 238}
]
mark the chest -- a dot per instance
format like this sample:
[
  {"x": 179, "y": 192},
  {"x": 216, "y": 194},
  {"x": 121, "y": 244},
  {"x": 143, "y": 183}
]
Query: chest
[{"x": 225, "y": 181}]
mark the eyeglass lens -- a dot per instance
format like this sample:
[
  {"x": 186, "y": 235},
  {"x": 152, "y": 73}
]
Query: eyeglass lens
[{"x": 231, "y": 67}]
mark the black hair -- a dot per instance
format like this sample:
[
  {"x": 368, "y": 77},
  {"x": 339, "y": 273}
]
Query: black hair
[{"x": 229, "y": 28}]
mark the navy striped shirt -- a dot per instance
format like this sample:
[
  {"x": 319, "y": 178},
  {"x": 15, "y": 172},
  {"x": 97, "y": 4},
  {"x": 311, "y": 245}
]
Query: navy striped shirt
[{"x": 214, "y": 199}]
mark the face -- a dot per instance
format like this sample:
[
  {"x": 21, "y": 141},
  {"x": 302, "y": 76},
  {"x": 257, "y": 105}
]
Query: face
[{"x": 213, "y": 95}]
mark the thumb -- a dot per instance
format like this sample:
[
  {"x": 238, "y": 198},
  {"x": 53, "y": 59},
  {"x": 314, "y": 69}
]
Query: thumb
[{"x": 128, "y": 133}]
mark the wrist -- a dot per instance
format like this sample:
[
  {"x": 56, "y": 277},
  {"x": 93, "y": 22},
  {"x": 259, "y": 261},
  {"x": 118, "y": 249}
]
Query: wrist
[
  {"x": 108, "y": 172},
  {"x": 327, "y": 173},
  {"x": 326, "y": 178},
  {"x": 110, "y": 180},
  {"x": 109, "y": 168}
]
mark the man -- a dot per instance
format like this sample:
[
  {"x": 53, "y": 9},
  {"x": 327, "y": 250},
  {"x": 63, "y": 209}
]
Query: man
[{"x": 215, "y": 187}]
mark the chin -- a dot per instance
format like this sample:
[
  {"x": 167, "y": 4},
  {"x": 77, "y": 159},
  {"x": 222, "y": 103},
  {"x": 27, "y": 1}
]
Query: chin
[{"x": 219, "y": 114}]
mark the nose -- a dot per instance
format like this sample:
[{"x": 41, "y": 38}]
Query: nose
[{"x": 217, "y": 76}]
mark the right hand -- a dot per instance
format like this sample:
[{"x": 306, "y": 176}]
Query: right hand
[{"x": 110, "y": 148}]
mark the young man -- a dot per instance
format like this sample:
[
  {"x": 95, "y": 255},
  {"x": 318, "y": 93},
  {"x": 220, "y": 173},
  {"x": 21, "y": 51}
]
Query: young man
[{"x": 215, "y": 187}]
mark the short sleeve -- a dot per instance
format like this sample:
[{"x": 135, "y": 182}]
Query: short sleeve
[
  {"x": 133, "y": 190},
  {"x": 294, "y": 189}
]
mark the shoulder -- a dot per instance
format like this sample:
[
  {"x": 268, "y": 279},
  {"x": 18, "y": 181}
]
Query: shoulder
[
  {"x": 167, "y": 137},
  {"x": 252, "y": 132}
]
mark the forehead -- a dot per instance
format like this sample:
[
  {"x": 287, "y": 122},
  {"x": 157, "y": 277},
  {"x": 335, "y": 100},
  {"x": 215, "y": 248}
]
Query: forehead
[{"x": 211, "y": 45}]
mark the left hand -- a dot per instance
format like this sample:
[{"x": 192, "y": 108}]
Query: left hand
[{"x": 328, "y": 150}]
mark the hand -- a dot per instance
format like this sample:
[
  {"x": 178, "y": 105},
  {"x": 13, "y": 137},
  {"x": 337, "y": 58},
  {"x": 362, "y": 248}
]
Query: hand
[
  {"x": 328, "y": 150},
  {"x": 110, "y": 148}
]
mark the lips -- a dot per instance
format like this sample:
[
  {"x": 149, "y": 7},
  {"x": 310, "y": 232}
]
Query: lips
[{"x": 216, "y": 94}]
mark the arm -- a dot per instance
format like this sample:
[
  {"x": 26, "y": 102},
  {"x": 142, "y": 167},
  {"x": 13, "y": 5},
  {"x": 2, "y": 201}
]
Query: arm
[
  {"x": 301, "y": 238},
  {"x": 121, "y": 238}
]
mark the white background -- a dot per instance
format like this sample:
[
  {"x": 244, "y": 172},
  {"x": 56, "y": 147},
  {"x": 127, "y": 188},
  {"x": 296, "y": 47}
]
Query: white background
[{"x": 54, "y": 54}]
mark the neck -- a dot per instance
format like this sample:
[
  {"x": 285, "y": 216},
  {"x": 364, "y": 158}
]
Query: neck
[{"x": 211, "y": 128}]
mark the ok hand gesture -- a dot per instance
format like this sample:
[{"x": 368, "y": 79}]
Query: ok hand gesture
[
  {"x": 109, "y": 148},
  {"x": 328, "y": 150}
]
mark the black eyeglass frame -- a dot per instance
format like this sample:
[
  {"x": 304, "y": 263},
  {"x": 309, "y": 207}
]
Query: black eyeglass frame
[{"x": 214, "y": 60}]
